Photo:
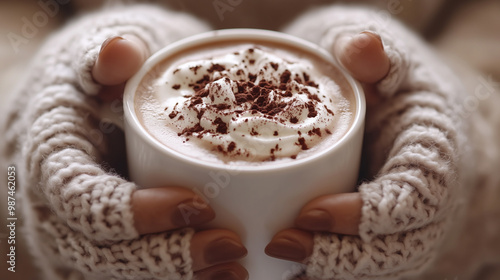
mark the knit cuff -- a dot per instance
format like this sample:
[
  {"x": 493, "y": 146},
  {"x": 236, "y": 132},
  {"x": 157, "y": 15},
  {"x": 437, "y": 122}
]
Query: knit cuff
[
  {"x": 385, "y": 257},
  {"x": 155, "y": 26},
  {"x": 96, "y": 204},
  {"x": 415, "y": 149},
  {"x": 152, "y": 257}
]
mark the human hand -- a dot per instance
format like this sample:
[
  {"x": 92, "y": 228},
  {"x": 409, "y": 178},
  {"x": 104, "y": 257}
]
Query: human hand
[
  {"x": 363, "y": 56},
  {"x": 412, "y": 160},
  {"x": 157, "y": 210}
]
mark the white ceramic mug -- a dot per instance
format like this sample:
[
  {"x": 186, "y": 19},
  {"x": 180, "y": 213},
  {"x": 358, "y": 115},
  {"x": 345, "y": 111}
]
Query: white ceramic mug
[{"x": 254, "y": 201}]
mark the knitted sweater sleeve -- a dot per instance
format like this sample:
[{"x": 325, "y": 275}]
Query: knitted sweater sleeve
[
  {"x": 53, "y": 134},
  {"x": 413, "y": 144}
]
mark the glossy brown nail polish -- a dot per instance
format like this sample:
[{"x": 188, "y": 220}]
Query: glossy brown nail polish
[
  {"x": 316, "y": 220},
  {"x": 286, "y": 249},
  {"x": 188, "y": 213},
  {"x": 226, "y": 275},
  {"x": 223, "y": 250}
]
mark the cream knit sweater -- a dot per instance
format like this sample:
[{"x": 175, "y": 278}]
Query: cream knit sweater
[{"x": 77, "y": 212}]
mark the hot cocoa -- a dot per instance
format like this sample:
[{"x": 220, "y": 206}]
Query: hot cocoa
[{"x": 245, "y": 102}]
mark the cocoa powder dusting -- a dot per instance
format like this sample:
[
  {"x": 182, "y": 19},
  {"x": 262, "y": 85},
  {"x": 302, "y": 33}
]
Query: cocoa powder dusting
[{"x": 267, "y": 97}]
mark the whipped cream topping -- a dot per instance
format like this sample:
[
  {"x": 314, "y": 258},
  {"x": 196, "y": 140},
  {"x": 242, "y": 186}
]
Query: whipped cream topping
[{"x": 250, "y": 105}]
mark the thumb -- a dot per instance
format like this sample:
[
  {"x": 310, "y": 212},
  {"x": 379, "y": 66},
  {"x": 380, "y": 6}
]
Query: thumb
[
  {"x": 364, "y": 57},
  {"x": 119, "y": 59}
]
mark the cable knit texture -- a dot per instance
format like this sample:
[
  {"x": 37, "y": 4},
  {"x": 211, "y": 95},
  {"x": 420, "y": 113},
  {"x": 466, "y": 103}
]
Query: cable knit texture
[
  {"x": 414, "y": 150},
  {"x": 77, "y": 213},
  {"x": 78, "y": 217}
]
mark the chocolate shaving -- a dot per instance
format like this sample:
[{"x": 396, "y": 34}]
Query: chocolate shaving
[
  {"x": 231, "y": 146},
  {"x": 221, "y": 126},
  {"x": 191, "y": 130},
  {"x": 195, "y": 101},
  {"x": 222, "y": 106},
  {"x": 200, "y": 113},
  {"x": 312, "y": 84},
  {"x": 195, "y": 69},
  {"x": 329, "y": 111},
  {"x": 302, "y": 143},
  {"x": 252, "y": 77},
  {"x": 312, "y": 110},
  {"x": 173, "y": 114},
  {"x": 268, "y": 98},
  {"x": 216, "y": 67},
  {"x": 315, "y": 130},
  {"x": 285, "y": 77},
  {"x": 202, "y": 92},
  {"x": 306, "y": 77},
  {"x": 201, "y": 83}
]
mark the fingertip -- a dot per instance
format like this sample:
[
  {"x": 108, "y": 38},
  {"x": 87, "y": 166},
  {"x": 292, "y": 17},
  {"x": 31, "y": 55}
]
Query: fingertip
[
  {"x": 119, "y": 59},
  {"x": 164, "y": 209},
  {"x": 363, "y": 56},
  {"x": 292, "y": 245},
  {"x": 336, "y": 213},
  {"x": 227, "y": 271},
  {"x": 315, "y": 220},
  {"x": 215, "y": 246}
]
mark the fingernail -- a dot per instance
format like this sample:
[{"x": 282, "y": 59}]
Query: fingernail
[
  {"x": 225, "y": 275},
  {"x": 287, "y": 249},
  {"x": 189, "y": 213},
  {"x": 374, "y": 35},
  {"x": 108, "y": 41},
  {"x": 138, "y": 43},
  {"x": 223, "y": 250},
  {"x": 316, "y": 220}
]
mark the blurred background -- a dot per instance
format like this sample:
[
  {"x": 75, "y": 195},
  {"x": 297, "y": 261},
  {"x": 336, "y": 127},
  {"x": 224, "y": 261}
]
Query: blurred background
[{"x": 466, "y": 32}]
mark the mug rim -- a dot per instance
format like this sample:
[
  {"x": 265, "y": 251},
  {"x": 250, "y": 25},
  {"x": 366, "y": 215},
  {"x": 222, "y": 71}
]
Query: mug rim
[{"x": 249, "y": 34}]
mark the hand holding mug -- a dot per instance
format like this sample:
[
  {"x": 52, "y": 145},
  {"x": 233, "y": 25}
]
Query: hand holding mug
[
  {"x": 214, "y": 251},
  {"x": 336, "y": 213}
]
